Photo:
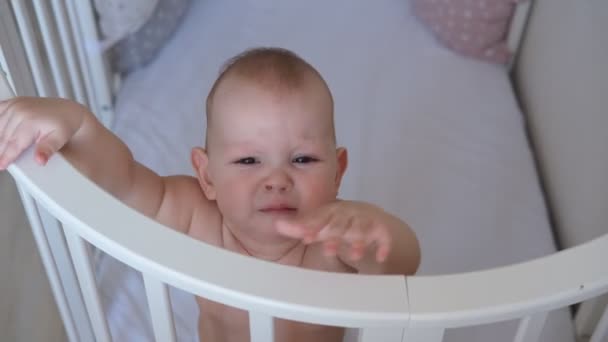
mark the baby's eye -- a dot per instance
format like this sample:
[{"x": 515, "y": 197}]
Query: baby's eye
[
  {"x": 246, "y": 161},
  {"x": 305, "y": 160}
]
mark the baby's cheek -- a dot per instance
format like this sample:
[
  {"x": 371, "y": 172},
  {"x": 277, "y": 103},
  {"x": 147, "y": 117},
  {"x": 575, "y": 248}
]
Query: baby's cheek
[
  {"x": 229, "y": 197},
  {"x": 321, "y": 191}
]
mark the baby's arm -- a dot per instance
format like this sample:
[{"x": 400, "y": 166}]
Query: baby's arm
[
  {"x": 62, "y": 125},
  {"x": 349, "y": 230}
]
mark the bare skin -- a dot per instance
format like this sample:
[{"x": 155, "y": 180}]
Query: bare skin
[{"x": 266, "y": 187}]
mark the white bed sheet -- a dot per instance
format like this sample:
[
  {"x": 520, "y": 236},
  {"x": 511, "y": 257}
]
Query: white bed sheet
[{"x": 434, "y": 138}]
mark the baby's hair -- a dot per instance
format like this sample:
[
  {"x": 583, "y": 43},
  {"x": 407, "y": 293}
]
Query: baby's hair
[{"x": 276, "y": 69}]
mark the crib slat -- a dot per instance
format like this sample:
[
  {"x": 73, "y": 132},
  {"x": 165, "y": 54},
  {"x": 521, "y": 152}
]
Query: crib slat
[
  {"x": 53, "y": 50},
  {"x": 82, "y": 263},
  {"x": 67, "y": 40},
  {"x": 601, "y": 330},
  {"x": 381, "y": 334},
  {"x": 96, "y": 65},
  {"x": 261, "y": 327},
  {"x": 530, "y": 327},
  {"x": 49, "y": 264},
  {"x": 160, "y": 309},
  {"x": 67, "y": 273},
  {"x": 13, "y": 53},
  {"x": 79, "y": 42},
  {"x": 32, "y": 52},
  {"x": 424, "y": 335},
  {"x": 588, "y": 316}
]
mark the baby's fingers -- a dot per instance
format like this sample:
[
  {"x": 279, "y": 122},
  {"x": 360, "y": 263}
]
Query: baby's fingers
[
  {"x": 8, "y": 125},
  {"x": 305, "y": 228},
  {"x": 357, "y": 239},
  {"x": 363, "y": 237},
  {"x": 4, "y": 112},
  {"x": 382, "y": 239},
  {"x": 382, "y": 252},
  {"x": 290, "y": 229},
  {"x": 46, "y": 146},
  {"x": 15, "y": 144},
  {"x": 331, "y": 234}
]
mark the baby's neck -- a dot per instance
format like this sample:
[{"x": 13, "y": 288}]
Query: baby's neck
[{"x": 277, "y": 249}]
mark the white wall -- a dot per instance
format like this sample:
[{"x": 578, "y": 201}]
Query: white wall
[{"x": 27, "y": 308}]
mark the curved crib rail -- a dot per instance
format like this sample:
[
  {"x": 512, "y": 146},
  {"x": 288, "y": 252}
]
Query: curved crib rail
[
  {"x": 557, "y": 280},
  {"x": 419, "y": 306},
  {"x": 175, "y": 259}
]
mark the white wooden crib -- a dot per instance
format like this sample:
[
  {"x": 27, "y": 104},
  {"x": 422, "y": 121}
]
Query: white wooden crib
[{"x": 68, "y": 213}]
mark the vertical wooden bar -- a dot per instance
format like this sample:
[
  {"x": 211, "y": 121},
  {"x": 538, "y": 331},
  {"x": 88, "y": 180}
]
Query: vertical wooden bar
[
  {"x": 381, "y": 334},
  {"x": 13, "y": 53},
  {"x": 26, "y": 27},
  {"x": 424, "y": 335},
  {"x": 530, "y": 327},
  {"x": 160, "y": 309},
  {"x": 588, "y": 315},
  {"x": 68, "y": 42},
  {"x": 67, "y": 274},
  {"x": 95, "y": 61},
  {"x": 81, "y": 52},
  {"x": 261, "y": 327},
  {"x": 52, "y": 47},
  {"x": 86, "y": 278},
  {"x": 48, "y": 262},
  {"x": 601, "y": 330}
]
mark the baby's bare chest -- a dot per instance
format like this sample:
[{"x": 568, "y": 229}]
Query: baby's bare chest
[{"x": 221, "y": 323}]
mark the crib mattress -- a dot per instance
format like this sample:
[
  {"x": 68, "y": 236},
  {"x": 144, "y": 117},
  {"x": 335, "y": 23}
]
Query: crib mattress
[{"x": 434, "y": 138}]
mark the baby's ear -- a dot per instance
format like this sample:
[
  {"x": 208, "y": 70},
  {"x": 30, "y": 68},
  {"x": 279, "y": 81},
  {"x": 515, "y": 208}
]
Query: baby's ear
[
  {"x": 342, "y": 159},
  {"x": 200, "y": 163}
]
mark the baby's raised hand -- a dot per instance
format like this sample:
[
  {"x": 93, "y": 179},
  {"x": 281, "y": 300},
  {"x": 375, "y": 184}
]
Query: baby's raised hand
[
  {"x": 47, "y": 123},
  {"x": 361, "y": 225}
]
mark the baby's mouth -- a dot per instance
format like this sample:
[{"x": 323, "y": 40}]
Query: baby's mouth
[{"x": 278, "y": 209}]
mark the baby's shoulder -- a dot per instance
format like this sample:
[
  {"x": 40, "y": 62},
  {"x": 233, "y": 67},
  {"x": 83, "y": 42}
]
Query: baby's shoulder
[
  {"x": 185, "y": 207},
  {"x": 204, "y": 218}
]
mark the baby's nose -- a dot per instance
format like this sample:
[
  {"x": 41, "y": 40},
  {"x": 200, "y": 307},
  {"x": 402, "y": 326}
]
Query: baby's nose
[{"x": 278, "y": 181}]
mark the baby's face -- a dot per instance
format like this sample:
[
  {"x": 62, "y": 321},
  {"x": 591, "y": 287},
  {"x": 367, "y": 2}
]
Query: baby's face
[{"x": 271, "y": 155}]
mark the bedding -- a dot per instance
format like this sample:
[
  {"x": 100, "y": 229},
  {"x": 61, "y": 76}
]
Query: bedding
[{"x": 433, "y": 137}]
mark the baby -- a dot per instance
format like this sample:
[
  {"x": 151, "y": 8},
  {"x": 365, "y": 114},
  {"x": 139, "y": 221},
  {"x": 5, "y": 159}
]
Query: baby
[{"x": 266, "y": 182}]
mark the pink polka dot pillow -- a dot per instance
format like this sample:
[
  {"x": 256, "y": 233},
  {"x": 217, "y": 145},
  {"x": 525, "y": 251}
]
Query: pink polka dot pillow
[{"x": 474, "y": 28}]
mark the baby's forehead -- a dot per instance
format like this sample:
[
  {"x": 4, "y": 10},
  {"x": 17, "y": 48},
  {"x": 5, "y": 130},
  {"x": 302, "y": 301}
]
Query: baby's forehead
[
  {"x": 245, "y": 125},
  {"x": 238, "y": 98}
]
